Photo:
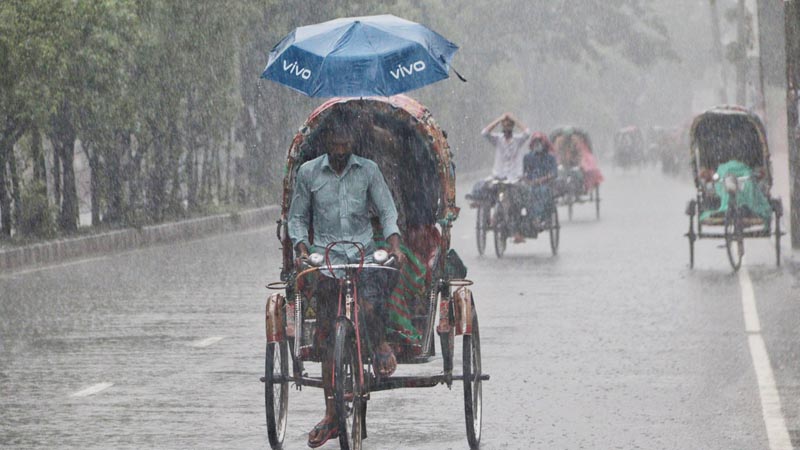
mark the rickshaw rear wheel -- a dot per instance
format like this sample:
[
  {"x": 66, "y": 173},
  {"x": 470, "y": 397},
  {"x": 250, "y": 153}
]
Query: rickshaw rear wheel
[
  {"x": 555, "y": 231},
  {"x": 473, "y": 393},
  {"x": 734, "y": 241},
  {"x": 777, "y": 239},
  {"x": 481, "y": 226},
  {"x": 570, "y": 201},
  {"x": 348, "y": 393},
  {"x": 500, "y": 233},
  {"x": 597, "y": 201},
  {"x": 276, "y": 393}
]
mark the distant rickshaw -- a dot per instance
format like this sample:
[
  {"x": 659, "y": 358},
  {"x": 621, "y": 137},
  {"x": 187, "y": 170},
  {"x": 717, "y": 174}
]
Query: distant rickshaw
[
  {"x": 666, "y": 145},
  {"x": 733, "y": 177},
  {"x": 579, "y": 176},
  {"x": 629, "y": 148}
]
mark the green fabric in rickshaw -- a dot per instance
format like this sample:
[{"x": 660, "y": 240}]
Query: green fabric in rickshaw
[{"x": 749, "y": 195}]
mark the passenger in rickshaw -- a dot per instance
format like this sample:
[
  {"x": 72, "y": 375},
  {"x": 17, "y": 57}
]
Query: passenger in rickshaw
[
  {"x": 741, "y": 158},
  {"x": 540, "y": 170},
  {"x": 332, "y": 197}
]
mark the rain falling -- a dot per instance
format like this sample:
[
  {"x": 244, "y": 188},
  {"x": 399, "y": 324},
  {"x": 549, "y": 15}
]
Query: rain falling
[{"x": 511, "y": 225}]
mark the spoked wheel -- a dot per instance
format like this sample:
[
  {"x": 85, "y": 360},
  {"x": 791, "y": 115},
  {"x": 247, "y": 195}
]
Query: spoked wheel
[
  {"x": 570, "y": 202},
  {"x": 500, "y": 233},
  {"x": 276, "y": 391},
  {"x": 555, "y": 231},
  {"x": 777, "y": 239},
  {"x": 481, "y": 226},
  {"x": 734, "y": 241},
  {"x": 597, "y": 201},
  {"x": 500, "y": 238},
  {"x": 473, "y": 394},
  {"x": 348, "y": 388}
]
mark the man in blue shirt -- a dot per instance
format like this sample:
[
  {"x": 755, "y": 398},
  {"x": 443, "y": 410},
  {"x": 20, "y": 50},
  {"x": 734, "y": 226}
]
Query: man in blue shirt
[
  {"x": 540, "y": 170},
  {"x": 333, "y": 194}
]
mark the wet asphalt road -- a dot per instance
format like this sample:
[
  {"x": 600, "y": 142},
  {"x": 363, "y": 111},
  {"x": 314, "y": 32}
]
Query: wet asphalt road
[{"x": 613, "y": 344}]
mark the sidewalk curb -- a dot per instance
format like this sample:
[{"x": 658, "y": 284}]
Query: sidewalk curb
[{"x": 51, "y": 252}]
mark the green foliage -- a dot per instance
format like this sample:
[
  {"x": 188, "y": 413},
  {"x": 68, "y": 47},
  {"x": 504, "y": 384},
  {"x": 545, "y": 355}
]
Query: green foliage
[
  {"x": 165, "y": 95},
  {"x": 37, "y": 217}
]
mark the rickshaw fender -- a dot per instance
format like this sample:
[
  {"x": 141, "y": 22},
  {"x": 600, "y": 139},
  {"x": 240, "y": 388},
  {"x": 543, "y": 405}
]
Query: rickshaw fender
[
  {"x": 690, "y": 207},
  {"x": 777, "y": 206},
  {"x": 463, "y": 307},
  {"x": 276, "y": 330}
]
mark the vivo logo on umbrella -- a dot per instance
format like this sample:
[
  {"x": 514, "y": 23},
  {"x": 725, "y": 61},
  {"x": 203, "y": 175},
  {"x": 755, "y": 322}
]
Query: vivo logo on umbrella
[
  {"x": 402, "y": 71},
  {"x": 296, "y": 70}
]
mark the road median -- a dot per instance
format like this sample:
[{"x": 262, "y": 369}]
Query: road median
[{"x": 56, "y": 251}]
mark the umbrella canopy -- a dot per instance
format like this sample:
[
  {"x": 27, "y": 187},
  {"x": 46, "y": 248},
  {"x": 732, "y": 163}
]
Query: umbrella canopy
[{"x": 360, "y": 57}]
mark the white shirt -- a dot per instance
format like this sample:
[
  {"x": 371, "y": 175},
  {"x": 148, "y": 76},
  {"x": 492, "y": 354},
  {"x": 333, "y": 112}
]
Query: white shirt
[{"x": 508, "y": 154}]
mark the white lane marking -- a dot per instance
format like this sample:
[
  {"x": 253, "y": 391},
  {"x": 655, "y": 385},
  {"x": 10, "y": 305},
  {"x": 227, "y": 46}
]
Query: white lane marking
[
  {"x": 91, "y": 390},
  {"x": 777, "y": 433},
  {"x": 52, "y": 266},
  {"x": 207, "y": 341},
  {"x": 752, "y": 324}
]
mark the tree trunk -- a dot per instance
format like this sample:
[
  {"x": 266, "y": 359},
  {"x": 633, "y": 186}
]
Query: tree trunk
[
  {"x": 716, "y": 36},
  {"x": 741, "y": 54},
  {"x": 56, "y": 173},
  {"x": 218, "y": 173},
  {"x": 5, "y": 199},
  {"x": 228, "y": 149},
  {"x": 205, "y": 176},
  {"x": 39, "y": 166},
  {"x": 12, "y": 131},
  {"x": 16, "y": 193},
  {"x": 94, "y": 181},
  {"x": 792, "y": 17},
  {"x": 70, "y": 213},
  {"x": 114, "y": 178}
]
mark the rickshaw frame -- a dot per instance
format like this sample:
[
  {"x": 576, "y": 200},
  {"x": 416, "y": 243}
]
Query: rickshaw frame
[
  {"x": 736, "y": 224},
  {"x": 569, "y": 197},
  {"x": 492, "y": 214},
  {"x": 446, "y": 290}
]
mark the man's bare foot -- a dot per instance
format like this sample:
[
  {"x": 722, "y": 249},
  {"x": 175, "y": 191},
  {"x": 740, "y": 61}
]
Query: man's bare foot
[
  {"x": 385, "y": 361},
  {"x": 324, "y": 430}
]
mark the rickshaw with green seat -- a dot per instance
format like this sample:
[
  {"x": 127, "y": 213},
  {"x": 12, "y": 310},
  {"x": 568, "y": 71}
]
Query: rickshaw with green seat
[{"x": 732, "y": 171}]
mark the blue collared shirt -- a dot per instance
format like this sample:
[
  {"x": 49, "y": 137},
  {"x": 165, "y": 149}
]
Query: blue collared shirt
[{"x": 339, "y": 206}]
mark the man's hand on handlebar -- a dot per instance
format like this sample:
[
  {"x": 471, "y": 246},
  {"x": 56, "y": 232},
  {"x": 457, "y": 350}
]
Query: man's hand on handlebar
[{"x": 301, "y": 260}]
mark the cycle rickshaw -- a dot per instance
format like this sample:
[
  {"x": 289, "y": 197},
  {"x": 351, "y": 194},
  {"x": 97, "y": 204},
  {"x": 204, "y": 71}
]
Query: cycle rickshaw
[
  {"x": 495, "y": 213},
  {"x": 399, "y": 132},
  {"x": 579, "y": 176},
  {"x": 733, "y": 176},
  {"x": 629, "y": 148}
]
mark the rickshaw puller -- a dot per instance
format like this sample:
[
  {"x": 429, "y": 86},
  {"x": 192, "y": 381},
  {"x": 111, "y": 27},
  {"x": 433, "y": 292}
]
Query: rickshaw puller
[
  {"x": 509, "y": 151},
  {"x": 335, "y": 190}
]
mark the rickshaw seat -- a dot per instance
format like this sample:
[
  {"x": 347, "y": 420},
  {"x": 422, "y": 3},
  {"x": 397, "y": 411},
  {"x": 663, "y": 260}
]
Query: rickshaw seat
[{"x": 718, "y": 219}]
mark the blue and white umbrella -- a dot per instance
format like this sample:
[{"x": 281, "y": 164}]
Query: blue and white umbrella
[{"x": 360, "y": 57}]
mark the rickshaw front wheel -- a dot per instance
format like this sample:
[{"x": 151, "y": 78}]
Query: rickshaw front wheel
[
  {"x": 473, "y": 394},
  {"x": 276, "y": 391},
  {"x": 734, "y": 239},
  {"x": 481, "y": 226},
  {"x": 597, "y": 201},
  {"x": 348, "y": 394},
  {"x": 555, "y": 231}
]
